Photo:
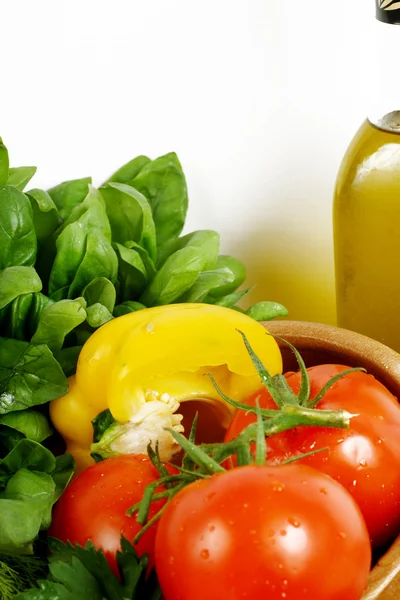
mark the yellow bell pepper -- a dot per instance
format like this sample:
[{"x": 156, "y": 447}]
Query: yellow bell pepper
[{"x": 143, "y": 365}]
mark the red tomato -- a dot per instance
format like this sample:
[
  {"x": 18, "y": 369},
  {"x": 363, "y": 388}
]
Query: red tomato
[
  {"x": 285, "y": 532},
  {"x": 364, "y": 458},
  {"x": 93, "y": 506}
]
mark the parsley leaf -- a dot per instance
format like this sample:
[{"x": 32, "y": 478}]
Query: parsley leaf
[{"x": 80, "y": 573}]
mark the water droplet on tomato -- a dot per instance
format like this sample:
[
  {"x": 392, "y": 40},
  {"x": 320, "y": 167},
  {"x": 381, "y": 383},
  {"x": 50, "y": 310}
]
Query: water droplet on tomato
[
  {"x": 285, "y": 582},
  {"x": 205, "y": 554},
  {"x": 277, "y": 486},
  {"x": 324, "y": 491},
  {"x": 294, "y": 522},
  {"x": 171, "y": 560},
  {"x": 342, "y": 535},
  {"x": 283, "y": 532},
  {"x": 211, "y": 528}
]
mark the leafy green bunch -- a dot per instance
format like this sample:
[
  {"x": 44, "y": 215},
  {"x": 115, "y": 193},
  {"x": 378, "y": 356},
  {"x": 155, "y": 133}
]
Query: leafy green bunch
[{"x": 74, "y": 257}]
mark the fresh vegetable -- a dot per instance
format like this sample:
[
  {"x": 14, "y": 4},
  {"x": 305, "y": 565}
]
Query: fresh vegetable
[
  {"x": 78, "y": 573},
  {"x": 31, "y": 480},
  {"x": 18, "y": 573},
  {"x": 93, "y": 506},
  {"x": 254, "y": 532},
  {"x": 365, "y": 458},
  {"x": 177, "y": 346},
  {"x": 74, "y": 257}
]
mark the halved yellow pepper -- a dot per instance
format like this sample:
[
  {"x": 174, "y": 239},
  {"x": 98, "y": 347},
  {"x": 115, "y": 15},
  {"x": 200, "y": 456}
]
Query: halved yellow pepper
[{"x": 143, "y": 365}]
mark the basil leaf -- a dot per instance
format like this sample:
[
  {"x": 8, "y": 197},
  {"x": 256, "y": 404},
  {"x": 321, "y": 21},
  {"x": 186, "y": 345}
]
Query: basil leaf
[
  {"x": 163, "y": 183},
  {"x": 147, "y": 261},
  {"x": 31, "y": 423},
  {"x": 9, "y": 438},
  {"x": 132, "y": 274},
  {"x": 238, "y": 271},
  {"x": 197, "y": 252},
  {"x": 84, "y": 250},
  {"x": 127, "y": 307},
  {"x": 231, "y": 299},
  {"x": 4, "y": 163},
  {"x": 46, "y": 218},
  {"x": 17, "y": 234},
  {"x": 29, "y": 375},
  {"x": 18, "y": 317},
  {"x": 15, "y": 281},
  {"x": 69, "y": 194},
  {"x": 25, "y": 508},
  {"x": 19, "y": 177},
  {"x": 40, "y": 303},
  {"x": 100, "y": 290},
  {"x": 62, "y": 473},
  {"x": 206, "y": 281},
  {"x": 265, "y": 311},
  {"x": 130, "y": 216},
  {"x": 98, "y": 315},
  {"x": 129, "y": 170},
  {"x": 197, "y": 239},
  {"x": 57, "y": 321}
]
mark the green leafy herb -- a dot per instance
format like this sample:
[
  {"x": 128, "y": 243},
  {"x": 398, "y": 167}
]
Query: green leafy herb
[
  {"x": 78, "y": 573},
  {"x": 19, "y": 177},
  {"x": 265, "y": 311},
  {"x": 127, "y": 307},
  {"x": 163, "y": 183},
  {"x": 31, "y": 480},
  {"x": 196, "y": 252},
  {"x": 31, "y": 423},
  {"x": 98, "y": 315},
  {"x": 18, "y": 573},
  {"x": 238, "y": 270},
  {"x": 129, "y": 171},
  {"x": 15, "y": 281},
  {"x": 57, "y": 320},
  {"x": 4, "y": 164},
  {"x": 17, "y": 234},
  {"x": 69, "y": 194},
  {"x": 46, "y": 217},
  {"x": 132, "y": 274},
  {"x": 100, "y": 290},
  {"x": 29, "y": 375}
]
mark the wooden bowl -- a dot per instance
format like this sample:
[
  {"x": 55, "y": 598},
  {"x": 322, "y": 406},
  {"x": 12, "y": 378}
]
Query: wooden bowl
[{"x": 320, "y": 344}]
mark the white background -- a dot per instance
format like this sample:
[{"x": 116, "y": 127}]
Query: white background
[{"x": 259, "y": 98}]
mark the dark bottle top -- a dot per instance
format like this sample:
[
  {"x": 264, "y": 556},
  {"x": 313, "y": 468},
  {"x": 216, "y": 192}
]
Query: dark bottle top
[{"x": 388, "y": 11}]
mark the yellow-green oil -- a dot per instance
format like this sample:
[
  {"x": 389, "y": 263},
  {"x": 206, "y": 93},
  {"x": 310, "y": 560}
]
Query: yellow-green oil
[{"x": 366, "y": 217}]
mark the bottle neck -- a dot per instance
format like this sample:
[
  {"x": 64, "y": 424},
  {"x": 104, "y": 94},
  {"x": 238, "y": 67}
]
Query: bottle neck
[{"x": 385, "y": 83}]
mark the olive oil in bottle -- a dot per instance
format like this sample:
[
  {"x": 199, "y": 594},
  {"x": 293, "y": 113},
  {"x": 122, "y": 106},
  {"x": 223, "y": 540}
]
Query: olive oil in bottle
[{"x": 366, "y": 211}]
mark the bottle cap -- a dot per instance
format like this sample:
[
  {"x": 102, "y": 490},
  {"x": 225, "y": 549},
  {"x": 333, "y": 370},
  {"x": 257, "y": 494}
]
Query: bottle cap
[{"x": 388, "y": 11}]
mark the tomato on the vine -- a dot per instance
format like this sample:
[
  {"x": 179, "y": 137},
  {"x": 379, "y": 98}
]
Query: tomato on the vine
[
  {"x": 284, "y": 532},
  {"x": 365, "y": 458},
  {"x": 94, "y": 505}
]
